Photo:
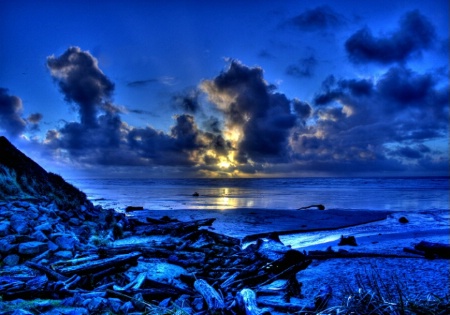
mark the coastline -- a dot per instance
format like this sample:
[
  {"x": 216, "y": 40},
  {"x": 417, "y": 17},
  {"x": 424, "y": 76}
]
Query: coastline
[
  {"x": 250, "y": 224},
  {"x": 375, "y": 233}
]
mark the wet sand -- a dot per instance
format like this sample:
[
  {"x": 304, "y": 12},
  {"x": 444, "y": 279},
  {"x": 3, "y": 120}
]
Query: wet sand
[{"x": 253, "y": 223}]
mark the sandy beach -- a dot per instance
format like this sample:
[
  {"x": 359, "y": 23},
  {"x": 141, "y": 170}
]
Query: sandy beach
[{"x": 375, "y": 232}]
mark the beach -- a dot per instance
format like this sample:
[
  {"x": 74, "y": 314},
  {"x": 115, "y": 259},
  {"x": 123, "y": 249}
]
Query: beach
[{"x": 376, "y": 232}]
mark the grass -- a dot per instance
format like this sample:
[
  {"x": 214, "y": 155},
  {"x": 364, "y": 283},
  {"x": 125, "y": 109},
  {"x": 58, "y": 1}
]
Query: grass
[
  {"x": 376, "y": 296},
  {"x": 53, "y": 188}
]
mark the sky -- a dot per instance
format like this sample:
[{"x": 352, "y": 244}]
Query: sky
[{"x": 227, "y": 88}]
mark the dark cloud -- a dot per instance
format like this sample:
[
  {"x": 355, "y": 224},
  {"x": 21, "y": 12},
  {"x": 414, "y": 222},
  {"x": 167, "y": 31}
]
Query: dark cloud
[
  {"x": 33, "y": 121},
  {"x": 355, "y": 125},
  {"x": 11, "y": 121},
  {"x": 318, "y": 19},
  {"x": 140, "y": 83},
  {"x": 359, "y": 121},
  {"x": 303, "y": 109},
  {"x": 81, "y": 82},
  {"x": 252, "y": 108},
  {"x": 265, "y": 54},
  {"x": 212, "y": 124},
  {"x": 188, "y": 102},
  {"x": 304, "y": 68},
  {"x": 35, "y": 118},
  {"x": 414, "y": 34},
  {"x": 142, "y": 112},
  {"x": 408, "y": 152}
]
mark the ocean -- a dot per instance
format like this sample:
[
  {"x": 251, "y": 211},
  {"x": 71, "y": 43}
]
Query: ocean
[{"x": 379, "y": 193}]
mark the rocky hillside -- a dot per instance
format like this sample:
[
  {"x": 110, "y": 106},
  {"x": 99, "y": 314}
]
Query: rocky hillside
[{"x": 22, "y": 178}]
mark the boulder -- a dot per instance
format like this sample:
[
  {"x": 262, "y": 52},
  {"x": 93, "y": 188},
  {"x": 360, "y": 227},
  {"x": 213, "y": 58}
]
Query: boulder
[
  {"x": 11, "y": 260},
  {"x": 64, "y": 254},
  {"x": 32, "y": 248},
  {"x": 4, "y": 228},
  {"x": 19, "y": 224},
  {"x": 6, "y": 245},
  {"x": 66, "y": 242},
  {"x": 403, "y": 220}
]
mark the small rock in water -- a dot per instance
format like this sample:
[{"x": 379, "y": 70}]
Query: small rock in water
[
  {"x": 403, "y": 220},
  {"x": 196, "y": 194}
]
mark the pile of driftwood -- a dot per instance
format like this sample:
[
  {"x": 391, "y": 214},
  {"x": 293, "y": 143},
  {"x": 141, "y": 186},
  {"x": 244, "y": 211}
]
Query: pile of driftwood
[
  {"x": 213, "y": 273},
  {"x": 172, "y": 265}
]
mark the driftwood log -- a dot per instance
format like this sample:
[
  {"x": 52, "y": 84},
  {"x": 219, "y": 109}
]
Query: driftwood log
[
  {"x": 173, "y": 228},
  {"x": 212, "y": 298},
  {"x": 101, "y": 264},
  {"x": 434, "y": 249}
]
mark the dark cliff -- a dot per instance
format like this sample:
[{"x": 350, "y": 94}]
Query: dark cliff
[{"x": 21, "y": 177}]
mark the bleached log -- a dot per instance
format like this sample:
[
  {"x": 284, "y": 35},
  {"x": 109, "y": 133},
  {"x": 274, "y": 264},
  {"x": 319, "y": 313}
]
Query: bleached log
[
  {"x": 246, "y": 303},
  {"x": 213, "y": 299},
  {"x": 98, "y": 265}
]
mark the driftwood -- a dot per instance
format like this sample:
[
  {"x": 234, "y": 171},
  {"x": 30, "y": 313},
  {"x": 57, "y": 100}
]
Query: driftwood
[
  {"x": 319, "y": 207},
  {"x": 246, "y": 303},
  {"x": 173, "y": 228},
  {"x": 51, "y": 274},
  {"x": 432, "y": 250},
  {"x": 133, "y": 208},
  {"x": 212, "y": 298},
  {"x": 99, "y": 265}
]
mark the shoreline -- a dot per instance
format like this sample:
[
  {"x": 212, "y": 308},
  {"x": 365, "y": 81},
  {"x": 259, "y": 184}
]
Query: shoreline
[{"x": 249, "y": 224}]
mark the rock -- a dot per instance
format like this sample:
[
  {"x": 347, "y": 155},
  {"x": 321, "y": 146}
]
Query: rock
[
  {"x": 52, "y": 246},
  {"x": 6, "y": 245},
  {"x": 96, "y": 304},
  {"x": 347, "y": 240},
  {"x": 74, "y": 221},
  {"x": 126, "y": 308},
  {"x": 21, "y": 312},
  {"x": 114, "y": 304},
  {"x": 403, "y": 220},
  {"x": 66, "y": 242},
  {"x": 32, "y": 248},
  {"x": 4, "y": 228},
  {"x": 196, "y": 194},
  {"x": 45, "y": 227},
  {"x": 63, "y": 254},
  {"x": 19, "y": 224},
  {"x": 39, "y": 236},
  {"x": 11, "y": 260}
]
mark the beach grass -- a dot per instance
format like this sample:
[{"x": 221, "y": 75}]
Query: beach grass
[{"x": 376, "y": 295}]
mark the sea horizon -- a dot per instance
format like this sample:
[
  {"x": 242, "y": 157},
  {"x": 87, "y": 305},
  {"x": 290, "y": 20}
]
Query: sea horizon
[{"x": 396, "y": 193}]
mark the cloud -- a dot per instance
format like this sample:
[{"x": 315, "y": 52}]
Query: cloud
[
  {"x": 140, "y": 83},
  {"x": 236, "y": 123},
  {"x": 318, "y": 19},
  {"x": 259, "y": 118},
  {"x": 11, "y": 121},
  {"x": 357, "y": 121},
  {"x": 81, "y": 81},
  {"x": 166, "y": 80},
  {"x": 304, "y": 68},
  {"x": 414, "y": 34},
  {"x": 35, "y": 118},
  {"x": 188, "y": 102}
]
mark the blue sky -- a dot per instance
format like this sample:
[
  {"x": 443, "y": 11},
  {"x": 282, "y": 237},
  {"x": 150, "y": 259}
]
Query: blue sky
[{"x": 235, "y": 88}]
